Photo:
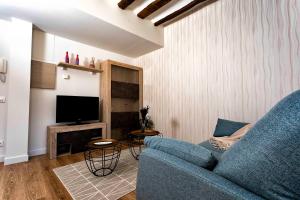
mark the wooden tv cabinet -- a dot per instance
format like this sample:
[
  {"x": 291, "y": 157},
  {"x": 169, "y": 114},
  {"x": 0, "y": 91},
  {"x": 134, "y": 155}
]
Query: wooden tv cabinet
[{"x": 53, "y": 130}]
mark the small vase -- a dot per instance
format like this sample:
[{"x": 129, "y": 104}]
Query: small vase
[{"x": 143, "y": 127}]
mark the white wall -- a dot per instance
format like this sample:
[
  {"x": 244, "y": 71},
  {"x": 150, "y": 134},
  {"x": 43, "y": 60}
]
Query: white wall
[
  {"x": 233, "y": 59},
  {"x": 51, "y": 49},
  {"x": 4, "y": 52},
  {"x": 16, "y": 144}
]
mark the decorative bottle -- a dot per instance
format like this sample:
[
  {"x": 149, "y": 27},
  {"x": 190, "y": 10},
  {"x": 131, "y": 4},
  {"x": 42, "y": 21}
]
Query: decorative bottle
[
  {"x": 77, "y": 60},
  {"x": 92, "y": 63},
  {"x": 67, "y": 57}
]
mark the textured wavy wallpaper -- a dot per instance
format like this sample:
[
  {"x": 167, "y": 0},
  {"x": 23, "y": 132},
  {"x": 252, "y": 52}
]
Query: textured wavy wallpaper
[{"x": 233, "y": 59}]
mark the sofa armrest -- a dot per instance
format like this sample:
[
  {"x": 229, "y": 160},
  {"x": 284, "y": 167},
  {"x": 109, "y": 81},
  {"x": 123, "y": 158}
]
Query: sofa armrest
[
  {"x": 163, "y": 176},
  {"x": 189, "y": 152}
]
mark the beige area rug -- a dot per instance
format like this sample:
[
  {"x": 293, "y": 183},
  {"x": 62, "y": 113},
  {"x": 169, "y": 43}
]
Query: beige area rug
[{"x": 83, "y": 185}]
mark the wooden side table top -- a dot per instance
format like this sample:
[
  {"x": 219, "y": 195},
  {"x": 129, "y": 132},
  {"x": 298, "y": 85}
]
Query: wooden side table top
[
  {"x": 147, "y": 132},
  {"x": 110, "y": 143}
]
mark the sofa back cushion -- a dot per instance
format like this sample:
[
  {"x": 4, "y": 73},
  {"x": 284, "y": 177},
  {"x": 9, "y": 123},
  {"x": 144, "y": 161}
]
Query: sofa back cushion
[
  {"x": 227, "y": 127},
  {"x": 267, "y": 160},
  {"x": 192, "y": 153}
]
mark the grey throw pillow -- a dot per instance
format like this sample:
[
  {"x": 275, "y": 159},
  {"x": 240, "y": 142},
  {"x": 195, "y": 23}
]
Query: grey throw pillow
[{"x": 226, "y": 127}]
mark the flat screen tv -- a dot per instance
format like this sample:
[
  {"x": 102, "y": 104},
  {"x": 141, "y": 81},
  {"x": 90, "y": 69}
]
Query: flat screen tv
[{"x": 76, "y": 109}]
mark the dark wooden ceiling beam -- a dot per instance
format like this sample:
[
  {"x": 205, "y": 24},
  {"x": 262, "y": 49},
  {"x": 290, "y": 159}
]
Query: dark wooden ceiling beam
[
  {"x": 152, "y": 7},
  {"x": 178, "y": 12},
  {"x": 123, "y": 4}
]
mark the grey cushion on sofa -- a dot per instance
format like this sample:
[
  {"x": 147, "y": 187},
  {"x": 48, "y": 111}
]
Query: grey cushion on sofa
[
  {"x": 195, "y": 154},
  {"x": 267, "y": 160},
  {"x": 226, "y": 127}
]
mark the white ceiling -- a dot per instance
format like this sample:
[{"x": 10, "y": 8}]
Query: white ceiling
[
  {"x": 122, "y": 32},
  {"x": 99, "y": 23}
]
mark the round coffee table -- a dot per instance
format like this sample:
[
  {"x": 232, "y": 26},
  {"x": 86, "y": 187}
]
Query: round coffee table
[
  {"x": 137, "y": 141},
  {"x": 102, "y": 156}
]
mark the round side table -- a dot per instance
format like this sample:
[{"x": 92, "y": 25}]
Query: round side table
[
  {"x": 137, "y": 141},
  {"x": 102, "y": 156}
]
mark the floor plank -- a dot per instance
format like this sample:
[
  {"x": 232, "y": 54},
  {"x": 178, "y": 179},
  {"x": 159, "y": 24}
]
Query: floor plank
[{"x": 36, "y": 180}]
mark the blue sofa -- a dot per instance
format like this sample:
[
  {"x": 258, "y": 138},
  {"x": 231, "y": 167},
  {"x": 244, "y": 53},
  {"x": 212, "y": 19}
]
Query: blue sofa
[{"x": 265, "y": 164}]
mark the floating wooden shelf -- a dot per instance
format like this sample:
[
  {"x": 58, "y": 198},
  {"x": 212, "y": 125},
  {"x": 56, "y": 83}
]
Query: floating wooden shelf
[{"x": 78, "y": 67}]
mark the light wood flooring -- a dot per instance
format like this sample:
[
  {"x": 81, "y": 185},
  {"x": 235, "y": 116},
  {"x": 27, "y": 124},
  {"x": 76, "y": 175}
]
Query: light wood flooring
[{"x": 36, "y": 180}]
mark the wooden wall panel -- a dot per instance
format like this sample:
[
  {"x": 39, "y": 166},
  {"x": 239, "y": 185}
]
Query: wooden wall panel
[
  {"x": 43, "y": 75},
  {"x": 232, "y": 59}
]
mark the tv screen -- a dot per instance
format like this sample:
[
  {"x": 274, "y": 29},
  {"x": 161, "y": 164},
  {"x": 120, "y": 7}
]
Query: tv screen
[{"x": 76, "y": 109}]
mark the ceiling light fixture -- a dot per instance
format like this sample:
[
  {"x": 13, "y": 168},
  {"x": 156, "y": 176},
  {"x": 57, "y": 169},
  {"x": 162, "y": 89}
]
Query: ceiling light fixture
[
  {"x": 172, "y": 9},
  {"x": 142, "y": 6}
]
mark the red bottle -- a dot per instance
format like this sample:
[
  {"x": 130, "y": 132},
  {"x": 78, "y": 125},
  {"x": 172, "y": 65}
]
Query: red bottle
[
  {"x": 67, "y": 57},
  {"x": 77, "y": 60}
]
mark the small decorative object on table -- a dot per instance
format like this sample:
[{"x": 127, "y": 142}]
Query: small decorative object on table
[
  {"x": 146, "y": 122},
  {"x": 102, "y": 156},
  {"x": 92, "y": 63}
]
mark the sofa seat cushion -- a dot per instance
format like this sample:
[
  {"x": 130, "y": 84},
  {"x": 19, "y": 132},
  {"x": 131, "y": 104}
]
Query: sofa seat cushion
[
  {"x": 192, "y": 153},
  {"x": 227, "y": 127},
  {"x": 267, "y": 160}
]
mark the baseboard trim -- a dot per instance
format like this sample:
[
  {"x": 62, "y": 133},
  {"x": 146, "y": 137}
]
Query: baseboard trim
[
  {"x": 1, "y": 158},
  {"x": 37, "y": 152},
  {"x": 15, "y": 159}
]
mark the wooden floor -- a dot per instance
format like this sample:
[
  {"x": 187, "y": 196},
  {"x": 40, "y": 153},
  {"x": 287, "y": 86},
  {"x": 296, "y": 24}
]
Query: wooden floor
[{"x": 36, "y": 180}]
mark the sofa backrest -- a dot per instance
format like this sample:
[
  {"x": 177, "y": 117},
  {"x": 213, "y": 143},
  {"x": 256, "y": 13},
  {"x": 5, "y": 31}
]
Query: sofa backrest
[{"x": 267, "y": 160}]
